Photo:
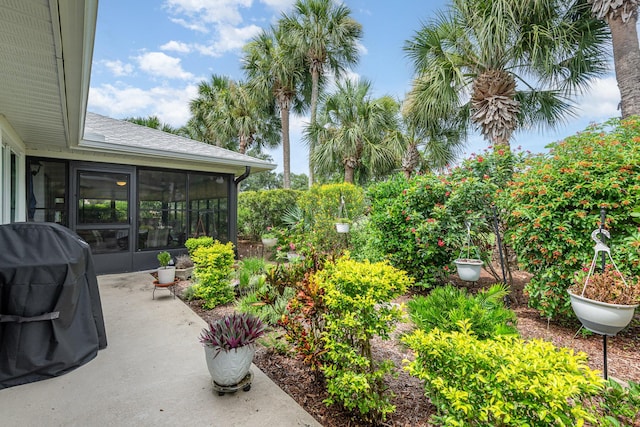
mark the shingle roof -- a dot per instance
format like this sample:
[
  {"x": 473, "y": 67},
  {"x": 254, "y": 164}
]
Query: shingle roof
[{"x": 115, "y": 135}]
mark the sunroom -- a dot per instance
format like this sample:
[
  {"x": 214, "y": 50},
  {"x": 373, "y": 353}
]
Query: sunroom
[{"x": 128, "y": 190}]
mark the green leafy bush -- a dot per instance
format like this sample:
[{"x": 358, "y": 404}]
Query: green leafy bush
[
  {"x": 446, "y": 306},
  {"x": 553, "y": 206},
  {"x": 258, "y": 210},
  {"x": 194, "y": 243},
  {"x": 501, "y": 382},
  {"x": 265, "y": 301},
  {"x": 618, "y": 405},
  {"x": 358, "y": 302},
  {"x": 213, "y": 271},
  {"x": 321, "y": 207}
]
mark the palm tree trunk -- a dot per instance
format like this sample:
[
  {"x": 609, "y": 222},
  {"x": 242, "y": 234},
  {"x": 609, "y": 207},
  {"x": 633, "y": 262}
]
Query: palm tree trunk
[
  {"x": 286, "y": 146},
  {"x": 315, "y": 82},
  {"x": 348, "y": 173},
  {"x": 626, "y": 56},
  {"x": 242, "y": 147}
]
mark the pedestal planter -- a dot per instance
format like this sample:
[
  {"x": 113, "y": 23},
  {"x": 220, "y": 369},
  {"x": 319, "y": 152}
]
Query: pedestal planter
[
  {"x": 229, "y": 367},
  {"x": 469, "y": 269},
  {"x": 343, "y": 227},
  {"x": 166, "y": 275},
  {"x": 601, "y": 317}
]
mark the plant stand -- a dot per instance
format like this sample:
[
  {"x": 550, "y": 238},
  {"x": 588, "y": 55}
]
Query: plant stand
[
  {"x": 244, "y": 385},
  {"x": 171, "y": 287}
]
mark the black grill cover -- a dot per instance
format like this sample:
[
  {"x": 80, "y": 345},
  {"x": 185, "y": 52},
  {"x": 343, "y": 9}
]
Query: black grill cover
[{"x": 50, "y": 312}]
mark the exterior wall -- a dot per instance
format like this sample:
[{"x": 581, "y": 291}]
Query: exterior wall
[
  {"x": 12, "y": 173},
  {"x": 128, "y": 214}
]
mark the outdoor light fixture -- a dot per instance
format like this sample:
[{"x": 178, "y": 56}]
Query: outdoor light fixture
[{"x": 35, "y": 167}]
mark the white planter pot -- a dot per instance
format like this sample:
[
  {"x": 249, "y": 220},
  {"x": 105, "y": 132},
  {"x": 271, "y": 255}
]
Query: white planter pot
[
  {"x": 228, "y": 368},
  {"x": 469, "y": 269},
  {"x": 270, "y": 242},
  {"x": 601, "y": 317},
  {"x": 166, "y": 275},
  {"x": 343, "y": 227},
  {"x": 184, "y": 273}
]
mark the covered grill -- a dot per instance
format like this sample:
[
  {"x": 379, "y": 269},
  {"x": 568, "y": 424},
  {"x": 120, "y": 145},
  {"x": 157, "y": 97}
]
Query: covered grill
[{"x": 50, "y": 312}]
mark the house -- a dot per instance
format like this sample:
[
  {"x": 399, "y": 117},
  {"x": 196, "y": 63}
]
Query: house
[{"x": 128, "y": 190}]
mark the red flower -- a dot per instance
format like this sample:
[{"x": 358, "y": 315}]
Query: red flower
[
  {"x": 480, "y": 159},
  {"x": 440, "y": 243}
]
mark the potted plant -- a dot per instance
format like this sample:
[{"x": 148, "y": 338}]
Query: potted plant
[
  {"x": 604, "y": 302},
  {"x": 166, "y": 272},
  {"x": 269, "y": 239},
  {"x": 469, "y": 268},
  {"x": 292, "y": 255},
  {"x": 343, "y": 225},
  {"x": 184, "y": 266},
  {"x": 229, "y": 346}
]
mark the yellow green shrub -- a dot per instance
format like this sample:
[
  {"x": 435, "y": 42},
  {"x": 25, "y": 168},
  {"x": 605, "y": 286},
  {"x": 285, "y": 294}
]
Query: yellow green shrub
[
  {"x": 501, "y": 382},
  {"x": 213, "y": 269}
]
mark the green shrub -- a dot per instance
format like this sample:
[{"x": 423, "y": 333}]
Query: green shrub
[
  {"x": 446, "y": 306},
  {"x": 249, "y": 271},
  {"x": 258, "y": 210},
  {"x": 501, "y": 382},
  {"x": 265, "y": 301},
  {"x": 321, "y": 208},
  {"x": 194, "y": 243},
  {"x": 358, "y": 302},
  {"x": 553, "y": 206},
  {"x": 618, "y": 405},
  {"x": 213, "y": 271}
]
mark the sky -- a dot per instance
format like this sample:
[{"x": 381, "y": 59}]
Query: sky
[{"x": 150, "y": 55}]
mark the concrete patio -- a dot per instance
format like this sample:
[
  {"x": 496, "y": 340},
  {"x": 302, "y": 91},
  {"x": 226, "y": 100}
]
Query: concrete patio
[{"x": 152, "y": 373}]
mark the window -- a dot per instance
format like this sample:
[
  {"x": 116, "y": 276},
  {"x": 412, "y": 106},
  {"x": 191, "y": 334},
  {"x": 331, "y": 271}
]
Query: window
[{"x": 174, "y": 206}]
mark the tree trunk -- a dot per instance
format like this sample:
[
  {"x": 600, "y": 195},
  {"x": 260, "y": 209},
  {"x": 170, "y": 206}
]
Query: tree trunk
[
  {"x": 315, "y": 82},
  {"x": 348, "y": 173},
  {"x": 626, "y": 56},
  {"x": 242, "y": 147},
  {"x": 286, "y": 146}
]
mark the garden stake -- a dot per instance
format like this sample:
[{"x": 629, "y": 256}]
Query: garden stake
[
  {"x": 499, "y": 242},
  {"x": 603, "y": 214}
]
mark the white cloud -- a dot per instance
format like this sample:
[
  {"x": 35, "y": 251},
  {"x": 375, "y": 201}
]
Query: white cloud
[
  {"x": 162, "y": 65},
  {"x": 232, "y": 38},
  {"x": 118, "y": 68},
  {"x": 170, "y": 104},
  {"x": 601, "y": 101},
  {"x": 278, "y": 5},
  {"x": 200, "y": 14},
  {"x": 175, "y": 46}
]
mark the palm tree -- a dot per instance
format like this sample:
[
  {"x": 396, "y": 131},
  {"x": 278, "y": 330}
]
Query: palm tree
[
  {"x": 273, "y": 70},
  {"x": 326, "y": 35},
  {"x": 153, "y": 122},
  {"x": 430, "y": 148},
  {"x": 622, "y": 18},
  {"x": 233, "y": 115},
  {"x": 357, "y": 132},
  {"x": 502, "y": 65}
]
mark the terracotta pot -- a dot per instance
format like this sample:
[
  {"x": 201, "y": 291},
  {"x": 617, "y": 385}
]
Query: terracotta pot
[
  {"x": 601, "y": 317},
  {"x": 469, "y": 269},
  {"x": 229, "y": 367}
]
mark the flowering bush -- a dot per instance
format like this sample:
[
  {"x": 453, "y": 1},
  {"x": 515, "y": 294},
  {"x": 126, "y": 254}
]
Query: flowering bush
[
  {"x": 553, "y": 206},
  {"x": 420, "y": 223}
]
